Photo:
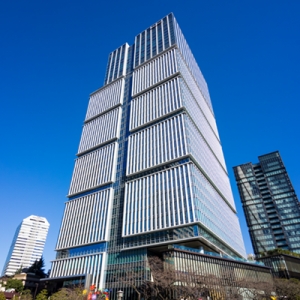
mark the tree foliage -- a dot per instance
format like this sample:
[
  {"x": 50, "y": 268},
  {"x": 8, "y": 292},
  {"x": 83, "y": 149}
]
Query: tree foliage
[
  {"x": 19, "y": 271},
  {"x": 279, "y": 251},
  {"x": 166, "y": 284},
  {"x": 26, "y": 295},
  {"x": 37, "y": 268},
  {"x": 68, "y": 294},
  {"x": 43, "y": 295},
  {"x": 2, "y": 296},
  {"x": 15, "y": 284}
]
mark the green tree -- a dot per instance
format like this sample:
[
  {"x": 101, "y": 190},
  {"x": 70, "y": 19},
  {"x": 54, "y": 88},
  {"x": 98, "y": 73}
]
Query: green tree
[
  {"x": 278, "y": 251},
  {"x": 38, "y": 268},
  {"x": 26, "y": 295},
  {"x": 2, "y": 297},
  {"x": 43, "y": 295},
  {"x": 68, "y": 294},
  {"x": 19, "y": 271},
  {"x": 15, "y": 284},
  {"x": 60, "y": 295}
]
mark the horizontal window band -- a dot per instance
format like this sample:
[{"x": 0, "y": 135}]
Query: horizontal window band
[
  {"x": 158, "y": 120},
  {"x": 211, "y": 182},
  {"x": 102, "y": 188},
  {"x": 160, "y": 243},
  {"x": 200, "y": 237},
  {"x": 172, "y": 114},
  {"x": 183, "y": 108},
  {"x": 102, "y": 113},
  {"x": 189, "y": 158},
  {"x": 161, "y": 83},
  {"x": 174, "y": 46},
  {"x": 107, "y": 85},
  {"x": 79, "y": 154},
  {"x": 155, "y": 85},
  {"x": 157, "y": 168},
  {"x": 161, "y": 230},
  {"x": 83, "y": 245},
  {"x": 79, "y": 256},
  {"x": 77, "y": 276},
  {"x": 91, "y": 190}
]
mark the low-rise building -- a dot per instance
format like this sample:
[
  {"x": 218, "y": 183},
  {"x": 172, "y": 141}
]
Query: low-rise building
[{"x": 283, "y": 265}]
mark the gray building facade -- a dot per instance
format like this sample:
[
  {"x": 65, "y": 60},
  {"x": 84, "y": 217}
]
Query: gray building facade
[{"x": 270, "y": 204}]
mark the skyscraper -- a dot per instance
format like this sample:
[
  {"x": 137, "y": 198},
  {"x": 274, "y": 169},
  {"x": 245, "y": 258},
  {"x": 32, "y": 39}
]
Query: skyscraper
[
  {"x": 150, "y": 170},
  {"x": 270, "y": 204},
  {"x": 27, "y": 245}
]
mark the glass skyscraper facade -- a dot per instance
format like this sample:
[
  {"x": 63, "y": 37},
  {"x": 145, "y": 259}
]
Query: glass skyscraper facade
[
  {"x": 27, "y": 245},
  {"x": 270, "y": 204},
  {"x": 150, "y": 170}
]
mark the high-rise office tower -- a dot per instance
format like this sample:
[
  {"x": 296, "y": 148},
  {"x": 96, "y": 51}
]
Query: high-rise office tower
[
  {"x": 27, "y": 245},
  {"x": 150, "y": 170},
  {"x": 270, "y": 204}
]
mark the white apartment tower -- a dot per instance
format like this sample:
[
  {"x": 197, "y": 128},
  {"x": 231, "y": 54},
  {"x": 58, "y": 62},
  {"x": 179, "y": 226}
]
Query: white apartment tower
[
  {"x": 27, "y": 245},
  {"x": 150, "y": 170}
]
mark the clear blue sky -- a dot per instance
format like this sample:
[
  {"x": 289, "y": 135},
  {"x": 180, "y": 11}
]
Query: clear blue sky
[{"x": 53, "y": 54}]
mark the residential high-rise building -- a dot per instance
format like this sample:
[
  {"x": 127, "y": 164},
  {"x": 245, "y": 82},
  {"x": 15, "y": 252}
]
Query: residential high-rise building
[
  {"x": 27, "y": 245},
  {"x": 150, "y": 170},
  {"x": 270, "y": 204}
]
